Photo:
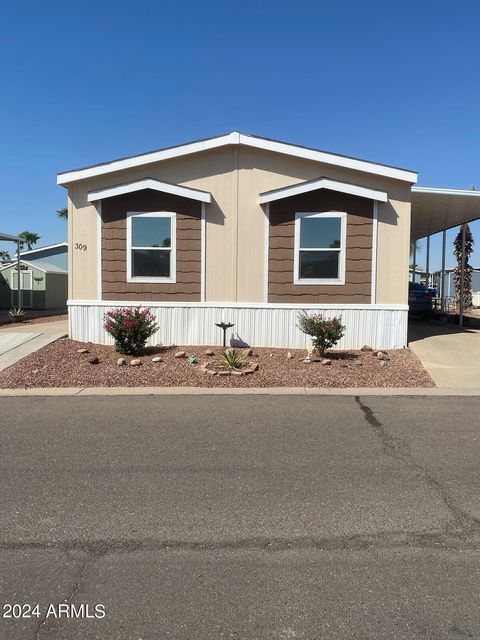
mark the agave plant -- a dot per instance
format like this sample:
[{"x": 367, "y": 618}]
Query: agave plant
[
  {"x": 231, "y": 359},
  {"x": 16, "y": 314}
]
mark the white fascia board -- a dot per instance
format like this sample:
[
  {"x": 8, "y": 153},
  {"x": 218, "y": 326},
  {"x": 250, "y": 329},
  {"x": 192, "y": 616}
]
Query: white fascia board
[
  {"x": 238, "y": 138},
  {"x": 149, "y": 183},
  {"x": 329, "y": 158},
  {"x": 322, "y": 183},
  {"x": 48, "y": 246},
  {"x": 446, "y": 192},
  {"x": 147, "y": 158}
]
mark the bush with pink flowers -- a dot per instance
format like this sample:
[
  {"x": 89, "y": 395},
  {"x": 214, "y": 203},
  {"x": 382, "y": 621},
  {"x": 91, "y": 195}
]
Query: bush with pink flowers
[
  {"x": 130, "y": 327},
  {"x": 325, "y": 332}
]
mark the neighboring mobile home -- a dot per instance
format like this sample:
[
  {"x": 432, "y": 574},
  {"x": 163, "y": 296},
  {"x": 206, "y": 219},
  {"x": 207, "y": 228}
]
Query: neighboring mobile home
[
  {"x": 245, "y": 230},
  {"x": 52, "y": 254},
  {"x": 44, "y": 286}
]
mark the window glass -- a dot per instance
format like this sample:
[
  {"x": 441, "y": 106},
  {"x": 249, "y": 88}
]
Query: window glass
[
  {"x": 318, "y": 264},
  {"x": 150, "y": 263},
  {"x": 320, "y": 233},
  {"x": 151, "y": 232}
]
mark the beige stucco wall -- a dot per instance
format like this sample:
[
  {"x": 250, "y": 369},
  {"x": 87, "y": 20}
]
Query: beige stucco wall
[
  {"x": 82, "y": 230},
  {"x": 235, "y": 230}
]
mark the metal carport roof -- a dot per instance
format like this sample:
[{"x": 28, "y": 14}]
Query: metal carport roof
[
  {"x": 434, "y": 210},
  {"x": 6, "y": 236}
]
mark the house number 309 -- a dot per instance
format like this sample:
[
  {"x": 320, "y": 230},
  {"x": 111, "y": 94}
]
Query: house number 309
[{"x": 80, "y": 247}]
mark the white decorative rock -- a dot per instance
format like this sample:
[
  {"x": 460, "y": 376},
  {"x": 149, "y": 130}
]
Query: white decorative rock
[
  {"x": 326, "y": 361},
  {"x": 180, "y": 354},
  {"x": 157, "y": 359},
  {"x": 83, "y": 351},
  {"x": 121, "y": 362},
  {"x": 136, "y": 362},
  {"x": 289, "y": 356}
]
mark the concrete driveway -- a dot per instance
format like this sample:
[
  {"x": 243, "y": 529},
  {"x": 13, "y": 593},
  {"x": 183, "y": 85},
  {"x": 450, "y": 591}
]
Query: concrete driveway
[
  {"x": 450, "y": 355},
  {"x": 18, "y": 341}
]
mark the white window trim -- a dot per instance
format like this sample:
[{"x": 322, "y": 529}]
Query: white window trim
[
  {"x": 173, "y": 248},
  {"x": 342, "y": 257}
]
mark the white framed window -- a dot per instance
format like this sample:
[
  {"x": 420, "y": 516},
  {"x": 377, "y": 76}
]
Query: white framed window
[
  {"x": 151, "y": 246},
  {"x": 320, "y": 247}
]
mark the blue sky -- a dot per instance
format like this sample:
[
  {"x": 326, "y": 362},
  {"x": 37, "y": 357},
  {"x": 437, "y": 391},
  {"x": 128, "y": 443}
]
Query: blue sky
[{"x": 87, "y": 82}]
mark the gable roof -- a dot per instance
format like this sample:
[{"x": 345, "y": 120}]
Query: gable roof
[
  {"x": 45, "y": 248},
  {"x": 237, "y": 138},
  {"x": 149, "y": 183},
  {"x": 322, "y": 183},
  {"x": 42, "y": 266}
]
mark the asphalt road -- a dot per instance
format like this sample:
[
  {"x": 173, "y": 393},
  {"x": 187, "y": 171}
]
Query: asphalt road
[{"x": 249, "y": 517}]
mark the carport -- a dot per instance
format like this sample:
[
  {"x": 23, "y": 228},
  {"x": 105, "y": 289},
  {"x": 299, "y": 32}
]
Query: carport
[
  {"x": 5, "y": 237},
  {"x": 437, "y": 210}
]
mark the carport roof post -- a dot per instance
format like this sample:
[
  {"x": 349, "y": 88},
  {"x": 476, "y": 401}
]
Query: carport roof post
[
  {"x": 435, "y": 210},
  {"x": 18, "y": 240}
]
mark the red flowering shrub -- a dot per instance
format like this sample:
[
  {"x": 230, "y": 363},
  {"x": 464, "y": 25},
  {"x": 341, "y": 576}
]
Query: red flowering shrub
[
  {"x": 130, "y": 327},
  {"x": 325, "y": 332}
]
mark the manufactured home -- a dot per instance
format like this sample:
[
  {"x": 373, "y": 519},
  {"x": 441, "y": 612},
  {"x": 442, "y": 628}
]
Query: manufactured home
[
  {"x": 52, "y": 254},
  {"x": 248, "y": 231},
  {"x": 43, "y": 286}
]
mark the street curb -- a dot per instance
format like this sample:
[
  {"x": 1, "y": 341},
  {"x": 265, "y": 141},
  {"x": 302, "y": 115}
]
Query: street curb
[{"x": 257, "y": 391}]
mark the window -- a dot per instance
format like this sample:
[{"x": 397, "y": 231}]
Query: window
[
  {"x": 151, "y": 247},
  {"x": 320, "y": 240}
]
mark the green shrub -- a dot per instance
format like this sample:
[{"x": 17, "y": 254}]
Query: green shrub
[
  {"x": 231, "y": 359},
  {"x": 325, "y": 332},
  {"x": 130, "y": 328},
  {"x": 16, "y": 314}
]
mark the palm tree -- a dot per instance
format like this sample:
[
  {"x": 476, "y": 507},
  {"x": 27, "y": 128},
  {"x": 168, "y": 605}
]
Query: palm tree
[
  {"x": 467, "y": 267},
  {"x": 4, "y": 256},
  {"x": 29, "y": 239},
  {"x": 63, "y": 213}
]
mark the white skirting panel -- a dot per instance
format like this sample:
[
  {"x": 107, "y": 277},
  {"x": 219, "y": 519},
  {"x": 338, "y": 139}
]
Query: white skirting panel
[{"x": 262, "y": 325}]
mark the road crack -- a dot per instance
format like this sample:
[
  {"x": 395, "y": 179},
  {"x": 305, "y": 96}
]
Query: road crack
[
  {"x": 91, "y": 557},
  {"x": 462, "y": 522}
]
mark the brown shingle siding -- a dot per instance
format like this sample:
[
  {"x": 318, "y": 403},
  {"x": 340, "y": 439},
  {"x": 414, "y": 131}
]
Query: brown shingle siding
[
  {"x": 114, "y": 248},
  {"x": 357, "y": 287}
]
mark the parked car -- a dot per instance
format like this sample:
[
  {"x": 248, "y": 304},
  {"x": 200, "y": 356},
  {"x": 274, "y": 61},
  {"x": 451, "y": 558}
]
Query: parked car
[{"x": 419, "y": 300}]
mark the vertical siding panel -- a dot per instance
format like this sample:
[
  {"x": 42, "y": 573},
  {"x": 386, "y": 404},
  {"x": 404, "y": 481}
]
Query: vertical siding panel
[{"x": 382, "y": 328}]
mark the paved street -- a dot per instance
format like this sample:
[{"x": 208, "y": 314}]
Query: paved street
[{"x": 249, "y": 517}]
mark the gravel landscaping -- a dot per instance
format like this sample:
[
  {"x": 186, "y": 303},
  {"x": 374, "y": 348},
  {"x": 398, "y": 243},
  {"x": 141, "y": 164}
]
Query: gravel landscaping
[
  {"x": 62, "y": 364},
  {"x": 6, "y": 323}
]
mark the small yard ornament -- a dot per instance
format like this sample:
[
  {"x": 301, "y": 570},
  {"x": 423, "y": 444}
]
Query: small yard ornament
[{"x": 224, "y": 326}]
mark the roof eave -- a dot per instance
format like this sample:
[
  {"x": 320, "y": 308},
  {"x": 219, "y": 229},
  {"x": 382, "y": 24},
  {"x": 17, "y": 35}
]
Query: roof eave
[{"x": 238, "y": 138}]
